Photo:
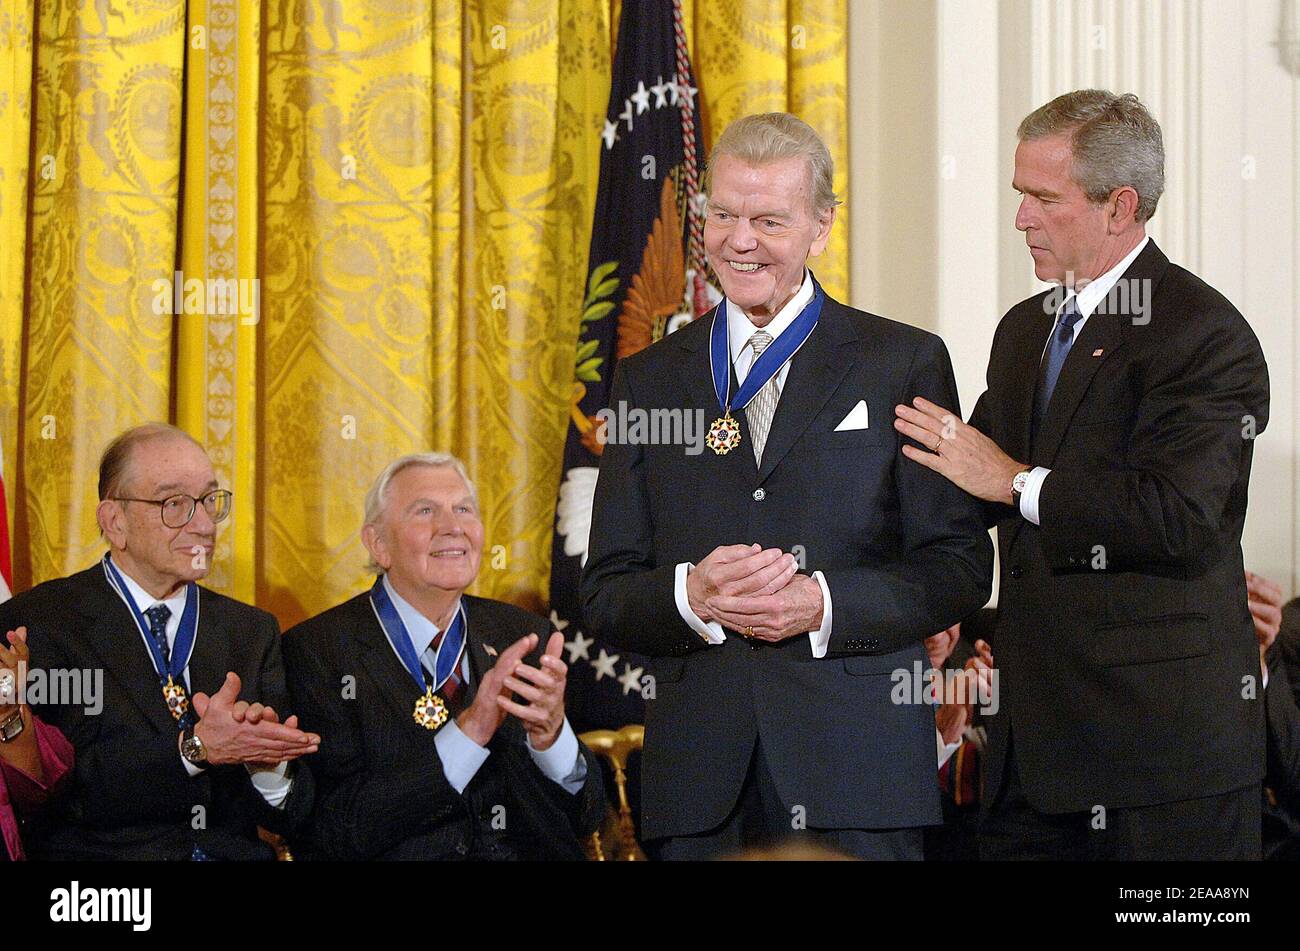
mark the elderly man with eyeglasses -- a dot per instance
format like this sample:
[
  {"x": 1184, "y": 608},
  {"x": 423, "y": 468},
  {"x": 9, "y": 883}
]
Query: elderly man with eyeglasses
[{"x": 173, "y": 696}]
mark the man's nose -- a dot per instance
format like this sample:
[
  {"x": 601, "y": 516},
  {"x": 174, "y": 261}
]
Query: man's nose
[
  {"x": 1023, "y": 218},
  {"x": 742, "y": 236},
  {"x": 201, "y": 522},
  {"x": 447, "y": 523}
]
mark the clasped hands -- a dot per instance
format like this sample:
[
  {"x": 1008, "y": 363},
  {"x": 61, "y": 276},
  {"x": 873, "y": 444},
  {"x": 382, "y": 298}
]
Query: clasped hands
[
  {"x": 236, "y": 731},
  {"x": 756, "y": 592}
]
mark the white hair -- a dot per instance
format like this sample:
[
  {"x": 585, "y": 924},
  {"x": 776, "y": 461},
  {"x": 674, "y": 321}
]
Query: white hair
[
  {"x": 377, "y": 497},
  {"x": 771, "y": 137}
]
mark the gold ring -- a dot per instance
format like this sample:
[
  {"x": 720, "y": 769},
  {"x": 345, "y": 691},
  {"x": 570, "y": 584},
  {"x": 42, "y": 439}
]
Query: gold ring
[{"x": 749, "y": 632}]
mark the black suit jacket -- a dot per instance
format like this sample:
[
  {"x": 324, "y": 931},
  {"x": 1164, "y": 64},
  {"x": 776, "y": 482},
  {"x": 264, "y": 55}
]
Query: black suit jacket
[
  {"x": 1123, "y": 635},
  {"x": 131, "y": 797},
  {"x": 904, "y": 554},
  {"x": 382, "y": 789}
]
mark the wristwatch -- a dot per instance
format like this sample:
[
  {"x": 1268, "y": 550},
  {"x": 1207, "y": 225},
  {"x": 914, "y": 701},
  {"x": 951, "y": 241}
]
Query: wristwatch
[
  {"x": 192, "y": 749},
  {"x": 1018, "y": 483},
  {"x": 12, "y": 726}
]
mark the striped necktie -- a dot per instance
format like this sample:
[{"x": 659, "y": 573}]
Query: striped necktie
[{"x": 762, "y": 407}]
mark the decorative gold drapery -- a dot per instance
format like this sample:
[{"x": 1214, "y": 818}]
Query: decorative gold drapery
[{"x": 406, "y": 190}]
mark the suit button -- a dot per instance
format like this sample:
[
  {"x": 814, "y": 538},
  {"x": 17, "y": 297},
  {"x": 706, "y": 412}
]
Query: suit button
[
  {"x": 1016, "y": 571},
  {"x": 760, "y": 495},
  {"x": 462, "y": 848}
]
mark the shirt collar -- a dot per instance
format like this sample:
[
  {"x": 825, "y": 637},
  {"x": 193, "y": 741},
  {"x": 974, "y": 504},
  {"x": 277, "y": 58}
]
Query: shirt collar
[
  {"x": 419, "y": 628},
  {"x": 1093, "y": 293},
  {"x": 740, "y": 328},
  {"x": 144, "y": 600}
]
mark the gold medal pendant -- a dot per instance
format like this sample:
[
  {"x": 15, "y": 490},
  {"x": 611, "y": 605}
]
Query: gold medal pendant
[
  {"x": 177, "y": 702},
  {"x": 430, "y": 711},
  {"x": 724, "y": 434}
]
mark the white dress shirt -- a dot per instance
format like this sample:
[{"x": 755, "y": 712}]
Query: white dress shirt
[
  {"x": 461, "y": 757},
  {"x": 1089, "y": 297},
  {"x": 739, "y": 330},
  {"x": 274, "y": 782}
]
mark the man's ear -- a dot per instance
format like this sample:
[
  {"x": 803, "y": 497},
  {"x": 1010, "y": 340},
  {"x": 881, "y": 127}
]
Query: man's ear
[
  {"x": 374, "y": 541},
  {"x": 1124, "y": 209},
  {"x": 823, "y": 236},
  {"x": 112, "y": 522}
]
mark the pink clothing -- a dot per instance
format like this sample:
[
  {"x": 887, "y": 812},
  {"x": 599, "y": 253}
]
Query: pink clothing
[{"x": 21, "y": 795}]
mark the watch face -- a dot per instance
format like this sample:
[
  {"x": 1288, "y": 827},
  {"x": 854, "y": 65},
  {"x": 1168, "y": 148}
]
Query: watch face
[
  {"x": 193, "y": 749},
  {"x": 1019, "y": 482}
]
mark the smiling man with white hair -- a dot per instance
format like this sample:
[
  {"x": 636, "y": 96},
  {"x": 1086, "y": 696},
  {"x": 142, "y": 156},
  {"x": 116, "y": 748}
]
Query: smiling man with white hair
[
  {"x": 773, "y": 577},
  {"x": 445, "y": 712}
]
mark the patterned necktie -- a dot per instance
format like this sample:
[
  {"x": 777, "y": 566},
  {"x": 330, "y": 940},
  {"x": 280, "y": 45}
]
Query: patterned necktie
[
  {"x": 158, "y": 615},
  {"x": 762, "y": 407},
  {"x": 451, "y": 687},
  {"x": 1058, "y": 348}
]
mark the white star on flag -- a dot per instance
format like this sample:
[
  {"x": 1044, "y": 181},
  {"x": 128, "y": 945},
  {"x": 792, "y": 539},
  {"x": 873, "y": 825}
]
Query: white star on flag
[
  {"x": 660, "y": 89},
  {"x": 631, "y": 679},
  {"x": 558, "y": 622},
  {"x": 604, "y": 665},
  {"x": 641, "y": 97},
  {"x": 610, "y": 133},
  {"x": 577, "y": 647}
]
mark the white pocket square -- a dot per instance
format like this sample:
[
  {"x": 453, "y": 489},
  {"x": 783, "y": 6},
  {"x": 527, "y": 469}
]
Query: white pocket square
[{"x": 857, "y": 418}]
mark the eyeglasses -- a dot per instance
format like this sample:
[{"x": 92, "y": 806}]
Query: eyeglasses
[{"x": 177, "y": 510}]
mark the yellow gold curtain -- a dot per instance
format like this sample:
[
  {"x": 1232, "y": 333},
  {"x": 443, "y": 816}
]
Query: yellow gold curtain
[{"x": 404, "y": 189}]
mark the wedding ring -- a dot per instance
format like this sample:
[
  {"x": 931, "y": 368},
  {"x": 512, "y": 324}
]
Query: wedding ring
[{"x": 749, "y": 632}]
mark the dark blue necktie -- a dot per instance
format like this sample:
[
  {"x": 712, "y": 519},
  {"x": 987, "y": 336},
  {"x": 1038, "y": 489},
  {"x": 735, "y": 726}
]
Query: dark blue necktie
[
  {"x": 1058, "y": 348},
  {"x": 158, "y": 615}
]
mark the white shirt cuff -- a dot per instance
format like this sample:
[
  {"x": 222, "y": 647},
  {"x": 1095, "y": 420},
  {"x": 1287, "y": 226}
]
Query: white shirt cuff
[
  {"x": 461, "y": 757},
  {"x": 945, "y": 750},
  {"x": 190, "y": 767},
  {"x": 562, "y": 762},
  {"x": 821, "y": 638},
  {"x": 1029, "y": 497},
  {"x": 711, "y": 631},
  {"x": 272, "y": 783}
]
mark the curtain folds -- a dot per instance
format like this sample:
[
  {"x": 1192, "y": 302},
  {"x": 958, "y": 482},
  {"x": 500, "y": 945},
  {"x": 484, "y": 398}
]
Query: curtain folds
[{"x": 377, "y": 213}]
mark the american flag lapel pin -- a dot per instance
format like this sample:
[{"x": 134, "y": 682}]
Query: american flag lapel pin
[{"x": 1098, "y": 352}]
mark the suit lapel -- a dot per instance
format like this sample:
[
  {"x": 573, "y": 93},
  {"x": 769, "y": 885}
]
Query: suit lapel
[
  {"x": 114, "y": 638},
  {"x": 381, "y": 662},
  {"x": 210, "y": 660},
  {"x": 1024, "y": 384},
  {"x": 816, "y": 372},
  {"x": 1097, "y": 342},
  {"x": 1105, "y": 332}
]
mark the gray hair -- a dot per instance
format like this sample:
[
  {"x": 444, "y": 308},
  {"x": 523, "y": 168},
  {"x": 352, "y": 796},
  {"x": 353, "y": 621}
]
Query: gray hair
[
  {"x": 1115, "y": 141},
  {"x": 377, "y": 497},
  {"x": 771, "y": 137}
]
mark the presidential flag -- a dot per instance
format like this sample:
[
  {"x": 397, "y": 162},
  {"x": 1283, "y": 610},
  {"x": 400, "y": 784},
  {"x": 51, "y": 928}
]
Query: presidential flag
[{"x": 646, "y": 278}]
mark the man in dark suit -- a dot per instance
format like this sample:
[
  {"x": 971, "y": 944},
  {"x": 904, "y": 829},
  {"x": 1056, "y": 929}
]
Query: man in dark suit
[
  {"x": 771, "y": 710},
  {"x": 444, "y": 718},
  {"x": 1113, "y": 449},
  {"x": 164, "y": 770}
]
